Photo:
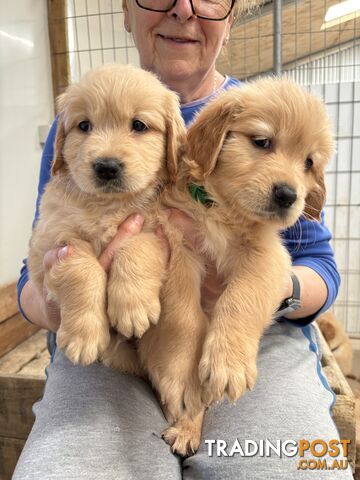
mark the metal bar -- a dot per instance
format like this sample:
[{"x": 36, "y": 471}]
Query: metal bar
[{"x": 277, "y": 28}]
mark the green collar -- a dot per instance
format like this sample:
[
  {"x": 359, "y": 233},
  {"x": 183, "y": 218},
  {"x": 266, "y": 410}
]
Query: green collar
[{"x": 199, "y": 194}]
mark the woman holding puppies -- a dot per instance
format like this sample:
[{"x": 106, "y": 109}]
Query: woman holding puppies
[{"x": 96, "y": 423}]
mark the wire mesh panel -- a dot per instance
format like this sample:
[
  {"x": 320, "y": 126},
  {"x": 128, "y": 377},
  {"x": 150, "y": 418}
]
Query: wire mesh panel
[
  {"x": 343, "y": 195},
  {"x": 320, "y": 49},
  {"x": 332, "y": 69},
  {"x": 96, "y": 35}
]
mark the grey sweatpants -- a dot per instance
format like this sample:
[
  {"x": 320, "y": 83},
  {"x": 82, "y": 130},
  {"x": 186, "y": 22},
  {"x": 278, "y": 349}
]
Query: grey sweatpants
[{"x": 94, "y": 423}]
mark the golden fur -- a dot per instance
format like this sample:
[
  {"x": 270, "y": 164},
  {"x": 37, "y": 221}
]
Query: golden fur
[
  {"x": 240, "y": 231},
  {"x": 192, "y": 359},
  {"x": 76, "y": 210}
]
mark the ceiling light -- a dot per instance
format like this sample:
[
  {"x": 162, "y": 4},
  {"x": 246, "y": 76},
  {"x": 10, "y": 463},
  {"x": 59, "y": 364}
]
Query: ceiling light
[{"x": 340, "y": 13}]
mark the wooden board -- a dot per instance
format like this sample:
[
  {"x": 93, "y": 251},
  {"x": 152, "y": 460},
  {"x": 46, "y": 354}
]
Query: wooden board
[
  {"x": 344, "y": 418},
  {"x": 10, "y": 449},
  {"x": 17, "y": 395},
  {"x": 8, "y": 301},
  {"x": 22, "y": 378},
  {"x": 37, "y": 365},
  {"x": 334, "y": 375},
  {"x": 344, "y": 408},
  {"x": 13, "y": 331},
  {"x": 27, "y": 353}
]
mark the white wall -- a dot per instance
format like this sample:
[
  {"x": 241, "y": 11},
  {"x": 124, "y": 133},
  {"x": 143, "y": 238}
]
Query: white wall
[{"x": 25, "y": 102}]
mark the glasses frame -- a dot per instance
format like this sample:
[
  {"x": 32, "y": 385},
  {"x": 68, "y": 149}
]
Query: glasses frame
[{"x": 192, "y": 8}]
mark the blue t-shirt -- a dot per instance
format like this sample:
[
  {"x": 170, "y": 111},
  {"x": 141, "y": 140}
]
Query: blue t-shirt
[{"x": 307, "y": 241}]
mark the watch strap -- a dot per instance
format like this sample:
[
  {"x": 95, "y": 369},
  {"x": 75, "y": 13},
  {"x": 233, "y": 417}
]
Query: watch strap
[{"x": 292, "y": 303}]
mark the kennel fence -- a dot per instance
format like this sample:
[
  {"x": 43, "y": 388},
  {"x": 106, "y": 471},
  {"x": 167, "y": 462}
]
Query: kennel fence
[{"x": 317, "y": 51}]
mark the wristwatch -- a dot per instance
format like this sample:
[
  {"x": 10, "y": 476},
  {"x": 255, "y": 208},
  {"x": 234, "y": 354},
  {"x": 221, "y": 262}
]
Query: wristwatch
[{"x": 292, "y": 303}]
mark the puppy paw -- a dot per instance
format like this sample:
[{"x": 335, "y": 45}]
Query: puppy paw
[
  {"x": 183, "y": 438},
  {"x": 225, "y": 373},
  {"x": 84, "y": 346},
  {"x": 131, "y": 315}
]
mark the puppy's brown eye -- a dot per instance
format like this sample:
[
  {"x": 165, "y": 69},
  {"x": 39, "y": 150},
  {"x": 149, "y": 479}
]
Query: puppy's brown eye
[
  {"x": 85, "y": 126},
  {"x": 308, "y": 163},
  {"x": 261, "y": 142},
  {"x": 139, "y": 126}
]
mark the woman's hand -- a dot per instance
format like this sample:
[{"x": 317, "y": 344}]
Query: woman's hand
[
  {"x": 46, "y": 313},
  {"x": 51, "y": 311},
  {"x": 212, "y": 286}
]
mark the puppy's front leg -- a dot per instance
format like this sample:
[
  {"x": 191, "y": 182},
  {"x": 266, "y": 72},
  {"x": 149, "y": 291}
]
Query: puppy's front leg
[
  {"x": 78, "y": 285},
  {"x": 228, "y": 362},
  {"x": 245, "y": 309},
  {"x": 136, "y": 276},
  {"x": 171, "y": 351}
]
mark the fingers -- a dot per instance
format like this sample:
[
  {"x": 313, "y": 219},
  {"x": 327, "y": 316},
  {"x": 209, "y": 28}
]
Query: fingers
[
  {"x": 212, "y": 286},
  {"x": 52, "y": 256},
  {"x": 130, "y": 227},
  {"x": 186, "y": 225},
  {"x": 164, "y": 242},
  {"x": 52, "y": 312},
  {"x": 51, "y": 308}
]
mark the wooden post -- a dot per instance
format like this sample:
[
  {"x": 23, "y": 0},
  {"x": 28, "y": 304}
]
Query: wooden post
[
  {"x": 17, "y": 395},
  {"x": 344, "y": 409},
  {"x": 58, "y": 45}
]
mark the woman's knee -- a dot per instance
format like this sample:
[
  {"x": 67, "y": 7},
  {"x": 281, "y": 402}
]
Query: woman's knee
[{"x": 94, "y": 422}]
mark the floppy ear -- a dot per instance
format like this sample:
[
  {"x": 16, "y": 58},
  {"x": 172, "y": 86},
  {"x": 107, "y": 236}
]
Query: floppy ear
[
  {"x": 58, "y": 160},
  {"x": 315, "y": 200},
  {"x": 207, "y": 135},
  {"x": 175, "y": 141}
]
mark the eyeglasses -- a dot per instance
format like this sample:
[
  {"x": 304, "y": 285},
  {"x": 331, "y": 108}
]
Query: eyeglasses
[{"x": 208, "y": 9}]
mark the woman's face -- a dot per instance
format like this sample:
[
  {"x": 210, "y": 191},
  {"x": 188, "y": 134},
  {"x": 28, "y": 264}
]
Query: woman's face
[{"x": 176, "y": 45}]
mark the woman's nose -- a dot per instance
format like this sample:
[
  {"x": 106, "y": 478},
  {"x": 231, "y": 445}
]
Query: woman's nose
[{"x": 182, "y": 10}]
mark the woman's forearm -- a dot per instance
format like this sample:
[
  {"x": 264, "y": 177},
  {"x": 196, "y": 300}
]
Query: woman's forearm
[
  {"x": 313, "y": 292},
  {"x": 36, "y": 310}
]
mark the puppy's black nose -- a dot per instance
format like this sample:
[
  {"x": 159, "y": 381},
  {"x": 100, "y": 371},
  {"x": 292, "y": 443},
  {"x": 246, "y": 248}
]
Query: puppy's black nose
[
  {"x": 107, "y": 168},
  {"x": 283, "y": 195}
]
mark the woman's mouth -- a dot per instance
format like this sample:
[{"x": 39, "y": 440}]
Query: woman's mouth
[{"x": 177, "y": 40}]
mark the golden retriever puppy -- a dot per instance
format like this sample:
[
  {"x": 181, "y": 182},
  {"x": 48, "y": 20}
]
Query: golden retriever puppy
[
  {"x": 258, "y": 155},
  {"x": 116, "y": 149},
  {"x": 338, "y": 341},
  {"x": 120, "y": 136}
]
